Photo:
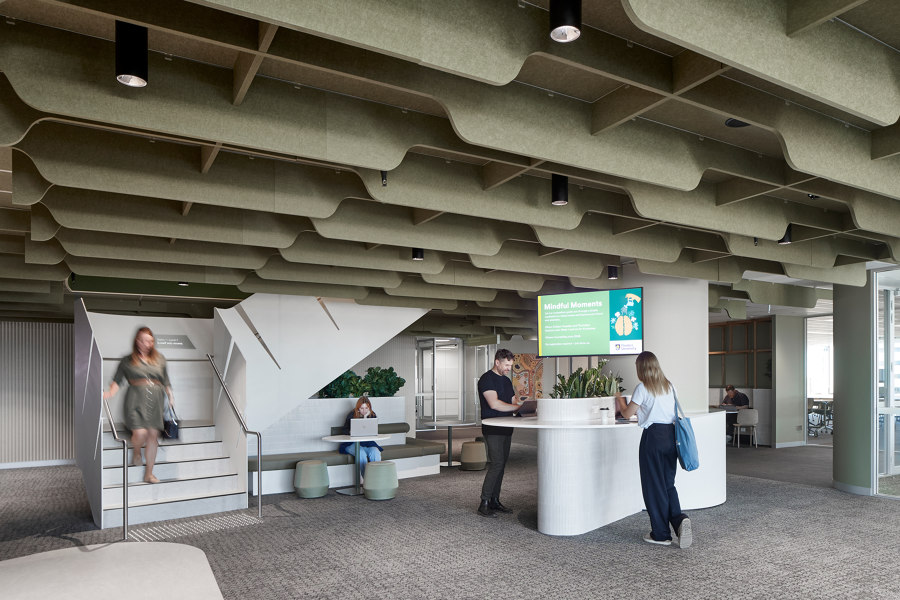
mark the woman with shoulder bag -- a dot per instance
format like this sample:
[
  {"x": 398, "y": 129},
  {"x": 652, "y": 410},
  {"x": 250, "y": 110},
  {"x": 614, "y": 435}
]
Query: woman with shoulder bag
[{"x": 654, "y": 403}]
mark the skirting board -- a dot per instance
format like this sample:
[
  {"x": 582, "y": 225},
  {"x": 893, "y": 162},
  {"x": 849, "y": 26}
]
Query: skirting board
[
  {"x": 852, "y": 489},
  {"x": 282, "y": 481},
  {"x": 37, "y": 463}
]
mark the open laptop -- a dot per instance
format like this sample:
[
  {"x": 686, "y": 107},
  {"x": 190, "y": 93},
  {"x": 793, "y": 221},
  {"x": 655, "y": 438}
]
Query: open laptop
[{"x": 363, "y": 427}]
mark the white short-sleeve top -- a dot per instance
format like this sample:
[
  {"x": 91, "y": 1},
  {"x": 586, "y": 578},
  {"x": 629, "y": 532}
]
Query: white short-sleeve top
[{"x": 654, "y": 409}]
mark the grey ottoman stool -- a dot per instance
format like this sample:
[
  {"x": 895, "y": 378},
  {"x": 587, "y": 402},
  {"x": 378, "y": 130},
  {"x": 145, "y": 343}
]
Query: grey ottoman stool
[
  {"x": 473, "y": 456},
  {"x": 381, "y": 480},
  {"x": 311, "y": 478}
]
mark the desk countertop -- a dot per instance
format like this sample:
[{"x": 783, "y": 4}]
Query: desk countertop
[{"x": 537, "y": 423}]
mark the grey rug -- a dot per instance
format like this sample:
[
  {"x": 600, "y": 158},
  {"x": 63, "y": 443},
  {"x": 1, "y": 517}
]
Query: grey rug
[{"x": 772, "y": 539}]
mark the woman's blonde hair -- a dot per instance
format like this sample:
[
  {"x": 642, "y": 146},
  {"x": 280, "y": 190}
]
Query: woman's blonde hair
[
  {"x": 651, "y": 375},
  {"x": 359, "y": 403},
  {"x": 152, "y": 356}
]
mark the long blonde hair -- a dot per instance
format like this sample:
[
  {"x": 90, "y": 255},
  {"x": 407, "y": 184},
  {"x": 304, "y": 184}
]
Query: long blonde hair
[
  {"x": 651, "y": 375},
  {"x": 152, "y": 356}
]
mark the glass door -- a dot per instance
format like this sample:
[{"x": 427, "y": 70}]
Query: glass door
[
  {"x": 425, "y": 383},
  {"x": 888, "y": 381}
]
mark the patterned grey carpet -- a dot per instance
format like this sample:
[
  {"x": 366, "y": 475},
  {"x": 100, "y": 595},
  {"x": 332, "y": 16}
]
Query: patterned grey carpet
[{"x": 772, "y": 539}]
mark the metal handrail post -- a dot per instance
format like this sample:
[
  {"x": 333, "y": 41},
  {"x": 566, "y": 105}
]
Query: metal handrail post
[
  {"x": 243, "y": 423},
  {"x": 124, "y": 443}
]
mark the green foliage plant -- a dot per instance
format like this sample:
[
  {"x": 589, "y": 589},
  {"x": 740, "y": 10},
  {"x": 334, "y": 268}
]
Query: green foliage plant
[
  {"x": 376, "y": 382},
  {"x": 587, "y": 383}
]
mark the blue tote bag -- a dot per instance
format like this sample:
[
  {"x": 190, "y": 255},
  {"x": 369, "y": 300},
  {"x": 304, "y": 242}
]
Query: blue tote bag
[{"x": 685, "y": 443}]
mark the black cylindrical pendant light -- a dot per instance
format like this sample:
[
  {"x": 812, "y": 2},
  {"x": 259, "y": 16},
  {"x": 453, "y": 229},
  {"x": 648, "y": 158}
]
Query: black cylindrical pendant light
[
  {"x": 131, "y": 54},
  {"x": 565, "y": 20},
  {"x": 418, "y": 254},
  {"x": 559, "y": 190},
  {"x": 612, "y": 272}
]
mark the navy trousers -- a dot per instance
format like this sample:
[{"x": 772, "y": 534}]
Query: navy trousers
[{"x": 658, "y": 461}]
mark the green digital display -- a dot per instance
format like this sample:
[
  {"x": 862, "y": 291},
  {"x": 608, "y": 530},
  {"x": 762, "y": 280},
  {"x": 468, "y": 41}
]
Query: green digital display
[{"x": 596, "y": 323}]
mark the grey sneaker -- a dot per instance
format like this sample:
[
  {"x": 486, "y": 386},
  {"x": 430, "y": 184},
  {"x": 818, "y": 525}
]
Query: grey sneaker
[
  {"x": 685, "y": 537},
  {"x": 649, "y": 539}
]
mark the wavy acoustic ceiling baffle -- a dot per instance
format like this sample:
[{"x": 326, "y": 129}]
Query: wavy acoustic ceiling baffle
[{"x": 306, "y": 147}]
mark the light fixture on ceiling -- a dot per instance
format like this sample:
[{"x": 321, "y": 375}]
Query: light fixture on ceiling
[
  {"x": 732, "y": 122},
  {"x": 756, "y": 241},
  {"x": 183, "y": 283},
  {"x": 812, "y": 196},
  {"x": 559, "y": 190},
  {"x": 384, "y": 179},
  {"x": 784, "y": 241},
  {"x": 612, "y": 272},
  {"x": 131, "y": 54},
  {"x": 418, "y": 254},
  {"x": 565, "y": 20}
]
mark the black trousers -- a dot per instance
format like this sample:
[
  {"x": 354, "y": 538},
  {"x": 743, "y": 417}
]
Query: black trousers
[
  {"x": 658, "y": 462},
  {"x": 497, "y": 454}
]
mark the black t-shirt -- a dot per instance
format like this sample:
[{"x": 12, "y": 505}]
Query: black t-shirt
[
  {"x": 504, "y": 388},
  {"x": 740, "y": 399}
]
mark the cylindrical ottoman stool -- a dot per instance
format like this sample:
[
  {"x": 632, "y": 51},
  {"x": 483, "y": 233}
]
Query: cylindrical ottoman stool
[
  {"x": 473, "y": 456},
  {"x": 381, "y": 480},
  {"x": 311, "y": 478}
]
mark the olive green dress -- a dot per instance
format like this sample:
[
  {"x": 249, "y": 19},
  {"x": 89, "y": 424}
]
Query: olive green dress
[{"x": 144, "y": 404}]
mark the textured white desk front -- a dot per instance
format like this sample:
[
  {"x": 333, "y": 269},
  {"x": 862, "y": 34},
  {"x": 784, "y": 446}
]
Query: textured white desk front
[{"x": 588, "y": 474}]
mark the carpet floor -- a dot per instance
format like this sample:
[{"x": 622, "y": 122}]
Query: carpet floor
[{"x": 771, "y": 539}]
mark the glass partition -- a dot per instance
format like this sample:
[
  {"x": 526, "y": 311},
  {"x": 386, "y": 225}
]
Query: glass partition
[
  {"x": 887, "y": 367},
  {"x": 820, "y": 380}
]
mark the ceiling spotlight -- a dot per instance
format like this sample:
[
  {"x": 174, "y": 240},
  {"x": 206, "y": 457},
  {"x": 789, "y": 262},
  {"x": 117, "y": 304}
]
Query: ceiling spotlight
[
  {"x": 131, "y": 54},
  {"x": 612, "y": 272},
  {"x": 756, "y": 241},
  {"x": 559, "y": 190},
  {"x": 787, "y": 236},
  {"x": 812, "y": 196},
  {"x": 418, "y": 254},
  {"x": 735, "y": 123},
  {"x": 383, "y": 178},
  {"x": 183, "y": 283},
  {"x": 565, "y": 20}
]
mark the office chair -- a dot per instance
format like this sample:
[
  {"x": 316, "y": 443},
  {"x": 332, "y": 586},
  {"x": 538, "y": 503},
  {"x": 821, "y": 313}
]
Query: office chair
[{"x": 747, "y": 418}]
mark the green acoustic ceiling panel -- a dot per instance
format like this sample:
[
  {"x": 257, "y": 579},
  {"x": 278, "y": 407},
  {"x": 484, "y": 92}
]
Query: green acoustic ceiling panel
[
  {"x": 533, "y": 258},
  {"x": 459, "y": 273},
  {"x": 379, "y": 298},
  {"x": 596, "y": 234},
  {"x": 44, "y": 253},
  {"x": 376, "y": 223},
  {"x": 279, "y": 269},
  {"x": 125, "y": 269},
  {"x": 137, "y": 215},
  {"x": 417, "y": 288},
  {"x": 831, "y": 63},
  {"x": 310, "y": 247},
  {"x": 253, "y": 284},
  {"x": 105, "y": 161}
]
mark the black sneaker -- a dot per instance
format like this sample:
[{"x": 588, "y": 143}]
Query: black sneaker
[{"x": 485, "y": 510}]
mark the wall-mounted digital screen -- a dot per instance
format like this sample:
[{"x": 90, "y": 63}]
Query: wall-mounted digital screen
[{"x": 597, "y": 323}]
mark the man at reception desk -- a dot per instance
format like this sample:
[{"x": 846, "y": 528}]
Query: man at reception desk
[{"x": 498, "y": 399}]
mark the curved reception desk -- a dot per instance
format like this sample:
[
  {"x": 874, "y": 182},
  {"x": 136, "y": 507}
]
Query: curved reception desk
[{"x": 588, "y": 474}]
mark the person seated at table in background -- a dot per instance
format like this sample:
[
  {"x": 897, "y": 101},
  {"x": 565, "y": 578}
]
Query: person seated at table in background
[
  {"x": 735, "y": 398},
  {"x": 368, "y": 451}
]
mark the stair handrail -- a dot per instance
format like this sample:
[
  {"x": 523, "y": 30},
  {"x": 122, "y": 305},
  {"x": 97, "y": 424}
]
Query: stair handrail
[
  {"x": 243, "y": 423},
  {"x": 124, "y": 443}
]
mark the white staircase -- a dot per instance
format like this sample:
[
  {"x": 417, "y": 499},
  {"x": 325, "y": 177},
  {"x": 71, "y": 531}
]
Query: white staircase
[{"x": 196, "y": 476}]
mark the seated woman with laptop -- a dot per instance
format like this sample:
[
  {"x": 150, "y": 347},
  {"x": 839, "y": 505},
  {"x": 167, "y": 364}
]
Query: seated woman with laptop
[{"x": 368, "y": 451}]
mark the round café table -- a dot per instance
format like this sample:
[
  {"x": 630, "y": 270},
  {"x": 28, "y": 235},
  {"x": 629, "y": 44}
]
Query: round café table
[
  {"x": 355, "y": 489},
  {"x": 450, "y": 425}
]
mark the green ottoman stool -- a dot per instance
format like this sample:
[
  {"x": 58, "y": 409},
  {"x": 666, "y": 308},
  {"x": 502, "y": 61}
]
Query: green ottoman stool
[
  {"x": 311, "y": 478},
  {"x": 473, "y": 456},
  {"x": 381, "y": 480}
]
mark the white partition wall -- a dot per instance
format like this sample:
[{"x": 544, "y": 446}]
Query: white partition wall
[
  {"x": 295, "y": 345},
  {"x": 86, "y": 392}
]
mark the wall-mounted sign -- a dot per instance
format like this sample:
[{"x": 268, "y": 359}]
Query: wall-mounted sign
[{"x": 174, "y": 341}]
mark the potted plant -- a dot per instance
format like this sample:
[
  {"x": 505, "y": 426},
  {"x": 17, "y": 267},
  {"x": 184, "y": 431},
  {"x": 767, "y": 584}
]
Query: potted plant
[
  {"x": 587, "y": 383},
  {"x": 377, "y": 382}
]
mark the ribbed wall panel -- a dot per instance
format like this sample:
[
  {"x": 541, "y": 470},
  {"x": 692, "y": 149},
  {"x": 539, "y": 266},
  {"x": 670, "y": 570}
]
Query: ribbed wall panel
[{"x": 36, "y": 392}]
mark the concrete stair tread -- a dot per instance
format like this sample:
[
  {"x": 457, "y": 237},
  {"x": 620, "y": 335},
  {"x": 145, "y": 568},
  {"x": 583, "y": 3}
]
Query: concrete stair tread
[
  {"x": 164, "y": 444},
  {"x": 167, "y": 462},
  {"x": 132, "y": 504},
  {"x": 183, "y": 424},
  {"x": 170, "y": 480}
]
